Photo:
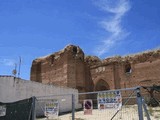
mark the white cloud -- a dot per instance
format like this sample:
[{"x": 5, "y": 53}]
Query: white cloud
[
  {"x": 7, "y": 62},
  {"x": 112, "y": 25}
]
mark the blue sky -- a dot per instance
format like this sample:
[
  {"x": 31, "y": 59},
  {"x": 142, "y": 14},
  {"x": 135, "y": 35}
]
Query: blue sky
[{"x": 35, "y": 28}]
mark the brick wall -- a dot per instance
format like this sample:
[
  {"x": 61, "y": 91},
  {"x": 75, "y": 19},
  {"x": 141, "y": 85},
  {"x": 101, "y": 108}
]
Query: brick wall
[{"x": 69, "y": 67}]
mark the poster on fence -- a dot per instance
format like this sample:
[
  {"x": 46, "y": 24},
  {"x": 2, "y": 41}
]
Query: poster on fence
[
  {"x": 111, "y": 99},
  {"x": 52, "y": 108},
  {"x": 2, "y": 110},
  {"x": 87, "y": 106}
]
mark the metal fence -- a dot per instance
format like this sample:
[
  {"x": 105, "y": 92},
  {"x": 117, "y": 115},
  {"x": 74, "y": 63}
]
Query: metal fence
[
  {"x": 111, "y": 107},
  {"x": 120, "y": 104},
  {"x": 56, "y": 106},
  {"x": 153, "y": 110}
]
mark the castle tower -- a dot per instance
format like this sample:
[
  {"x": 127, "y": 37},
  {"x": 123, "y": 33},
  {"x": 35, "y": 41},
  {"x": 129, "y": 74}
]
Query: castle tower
[{"x": 63, "y": 68}]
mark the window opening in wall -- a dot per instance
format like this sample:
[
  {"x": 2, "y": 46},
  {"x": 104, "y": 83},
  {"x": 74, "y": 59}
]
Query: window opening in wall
[
  {"x": 52, "y": 59},
  {"x": 75, "y": 50},
  {"x": 128, "y": 68}
]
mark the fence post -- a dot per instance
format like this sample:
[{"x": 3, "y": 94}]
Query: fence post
[
  {"x": 139, "y": 102},
  {"x": 73, "y": 106},
  {"x": 145, "y": 109},
  {"x": 33, "y": 108}
]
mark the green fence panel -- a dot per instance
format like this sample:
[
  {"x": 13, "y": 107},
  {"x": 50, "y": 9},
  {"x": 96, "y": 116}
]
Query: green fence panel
[{"x": 20, "y": 110}]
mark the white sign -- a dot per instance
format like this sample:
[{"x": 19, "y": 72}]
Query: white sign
[
  {"x": 112, "y": 99},
  {"x": 52, "y": 108},
  {"x": 2, "y": 110}
]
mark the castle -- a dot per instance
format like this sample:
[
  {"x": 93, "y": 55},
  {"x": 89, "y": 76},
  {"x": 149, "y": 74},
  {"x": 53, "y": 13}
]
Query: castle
[{"x": 71, "y": 68}]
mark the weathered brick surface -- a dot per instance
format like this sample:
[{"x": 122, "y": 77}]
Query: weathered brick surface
[
  {"x": 70, "y": 68},
  {"x": 63, "y": 68}
]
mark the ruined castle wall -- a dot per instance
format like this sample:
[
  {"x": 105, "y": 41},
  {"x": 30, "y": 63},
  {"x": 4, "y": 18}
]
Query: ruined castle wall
[
  {"x": 69, "y": 68},
  {"x": 53, "y": 70},
  {"x": 76, "y": 71},
  {"x": 142, "y": 74},
  {"x": 89, "y": 84},
  {"x": 103, "y": 73},
  {"x": 71, "y": 71},
  {"x": 35, "y": 74},
  {"x": 116, "y": 74},
  {"x": 64, "y": 68},
  {"x": 80, "y": 75}
]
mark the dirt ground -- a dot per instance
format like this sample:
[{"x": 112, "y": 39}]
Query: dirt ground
[{"x": 126, "y": 113}]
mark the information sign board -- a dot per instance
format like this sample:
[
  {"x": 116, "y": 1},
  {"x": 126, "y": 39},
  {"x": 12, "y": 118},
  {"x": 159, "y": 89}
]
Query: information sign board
[
  {"x": 52, "y": 108},
  {"x": 110, "y": 99},
  {"x": 2, "y": 110}
]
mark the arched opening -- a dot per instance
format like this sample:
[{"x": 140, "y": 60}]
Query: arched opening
[
  {"x": 128, "y": 68},
  {"x": 101, "y": 85}
]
